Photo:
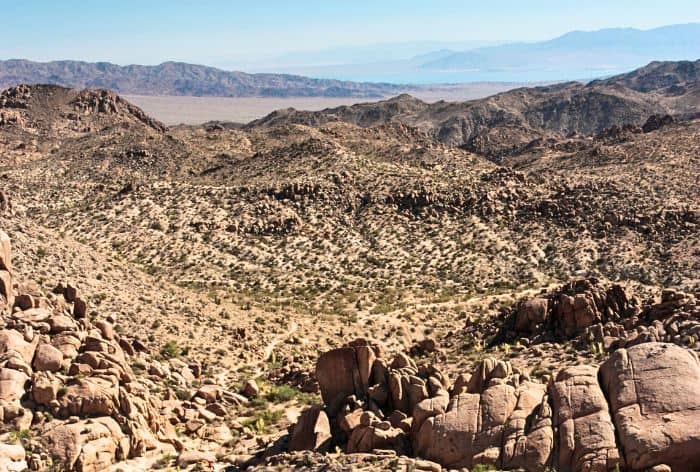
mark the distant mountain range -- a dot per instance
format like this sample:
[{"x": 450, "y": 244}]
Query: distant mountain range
[
  {"x": 577, "y": 55},
  {"x": 580, "y": 54},
  {"x": 375, "y": 72},
  {"x": 177, "y": 78}
]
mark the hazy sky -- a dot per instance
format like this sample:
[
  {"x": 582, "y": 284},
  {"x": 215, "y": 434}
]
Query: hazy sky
[{"x": 205, "y": 31}]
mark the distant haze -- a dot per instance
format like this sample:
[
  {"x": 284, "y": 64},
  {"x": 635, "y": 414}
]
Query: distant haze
[{"x": 576, "y": 55}]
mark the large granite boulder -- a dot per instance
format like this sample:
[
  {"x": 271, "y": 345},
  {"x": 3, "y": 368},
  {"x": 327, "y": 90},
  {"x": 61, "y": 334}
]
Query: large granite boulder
[{"x": 654, "y": 392}]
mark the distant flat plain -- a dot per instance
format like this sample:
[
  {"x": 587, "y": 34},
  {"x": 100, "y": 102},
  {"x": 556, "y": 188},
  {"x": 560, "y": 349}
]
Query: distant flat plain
[{"x": 173, "y": 110}]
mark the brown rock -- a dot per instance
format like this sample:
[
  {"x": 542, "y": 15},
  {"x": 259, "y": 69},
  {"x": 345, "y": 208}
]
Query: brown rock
[
  {"x": 530, "y": 315},
  {"x": 11, "y": 340},
  {"x": 251, "y": 389},
  {"x": 343, "y": 372},
  {"x": 106, "y": 329},
  {"x": 88, "y": 446},
  {"x": 503, "y": 427},
  {"x": 92, "y": 396},
  {"x": 428, "y": 408},
  {"x": 312, "y": 432},
  {"x": 70, "y": 293},
  {"x": 528, "y": 437},
  {"x": 47, "y": 358},
  {"x": 350, "y": 420},
  {"x": 5, "y": 252},
  {"x": 24, "y": 301},
  {"x": 188, "y": 458},
  {"x": 448, "y": 438},
  {"x": 210, "y": 393},
  {"x": 80, "y": 311},
  {"x": 12, "y": 384},
  {"x": 6, "y": 288},
  {"x": 586, "y": 432},
  {"x": 379, "y": 436},
  {"x": 44, "y": 388},
  {"x": 654, "y": 391}
]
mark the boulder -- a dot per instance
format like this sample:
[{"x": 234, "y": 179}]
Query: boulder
[
  {"x": 32, "y": 316},
  {"x": 11, "y": 340},
  {"x": 209, "y": 393},
  {"x": 188, "y": 458},
  {"x": 5, "y": 252},
  {"x": 92, "y": 396},
  {"x": 377, "y": 436},
  {"x": 528, "y": 437},
  {"x": 80, "y": 311},
  {"x": 88, "y": 445},
  {"x": 6, "y": 291},
  {"x": 586, "y": 435},
  {"x": 343, "y": 372},
  {"x": 45, "y": 388},
  {"x": 531, "y": 314},
  {"x": 312, "y": 432},
  {"x": 12, "y": 385},
  {"x": 47, "y": 358},
  {"x": 448, "y": 438},
  {"x": 12, "y": 457},
  {"x": 251, "y": 389},
  {"x": 654, "y": 392},
  {"x": 60, "y": 323}
]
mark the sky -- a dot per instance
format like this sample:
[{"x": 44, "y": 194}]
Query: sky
[{"x": 212, "y": 31}]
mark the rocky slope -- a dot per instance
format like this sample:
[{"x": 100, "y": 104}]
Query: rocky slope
[
  {"x": 177, "y": 78},
  {"x": 228, "y": 259},
  {"x": 510, "y": 122}
]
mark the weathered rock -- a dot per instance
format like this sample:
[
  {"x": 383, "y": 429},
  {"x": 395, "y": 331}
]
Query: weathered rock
[
  {"x": 474, "y": 428},
  {"x": 5, "y": 252},
  {"x": 93, "y": 396},
  {"x": 586, "y": 438},
  {"x": 86, "y": 446},
  {"x": 47, "y": 358},
  {"x": 531, "y": 315},
  {"x": 654, "y": 392},
  {"x": 11, "y": 340},
  {"x": 188, "y": 458},
  {"x": 312, "y": 432},
  {"x": 528, "y": 437},
  {"x": 45, "y": 388},
  {"x": 350, "y": 420},
  {"x": 428, "y": 408},
  {"x": 60, "y": 323},
  {"x": 343, "y": 372},
  {"x": 251, "y": 389},
  {"x": 80, "y": 311},
  {"x": 448, "y": 438},
  {"x": 377, "y": 436},
  {"x": 210, "y": 393},
  {"x": 6, "y": 291},
  {"x": 12, "y": 457}
]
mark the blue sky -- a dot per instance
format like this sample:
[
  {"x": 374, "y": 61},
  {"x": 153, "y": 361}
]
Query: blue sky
[{"x": 207, "y": 31}]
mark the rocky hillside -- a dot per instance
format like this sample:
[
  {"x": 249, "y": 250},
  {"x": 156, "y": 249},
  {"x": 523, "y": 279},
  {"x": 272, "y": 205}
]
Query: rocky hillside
[
  {"x": 196, "y": 287},
  {"x": 177, "y": 78},
  {"x": 508, "y": 123}
]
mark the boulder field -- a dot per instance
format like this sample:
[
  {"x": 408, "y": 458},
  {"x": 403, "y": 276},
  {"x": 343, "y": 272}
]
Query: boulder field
[{"x": 639, "y": 410}]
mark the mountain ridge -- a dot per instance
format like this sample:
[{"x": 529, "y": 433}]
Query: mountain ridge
[
  {"x": 179, "y": 78},
  {"x": 510, "y": 121},
  {"x": 611, "y": 48}
]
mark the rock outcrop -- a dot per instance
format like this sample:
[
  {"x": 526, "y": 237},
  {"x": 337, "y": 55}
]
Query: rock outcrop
[
  {"x": 654, "y": 398},
  {"x": 636, "y": 412},
  {"x": 605, "y": 318},
  {"x": 68, "y": 384}
]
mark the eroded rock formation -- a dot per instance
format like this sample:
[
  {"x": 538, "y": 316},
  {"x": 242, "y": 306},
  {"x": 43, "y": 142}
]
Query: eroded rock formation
[{"x": 636, "y": 412}]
